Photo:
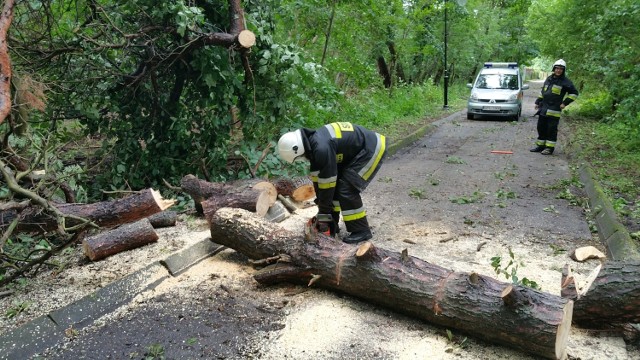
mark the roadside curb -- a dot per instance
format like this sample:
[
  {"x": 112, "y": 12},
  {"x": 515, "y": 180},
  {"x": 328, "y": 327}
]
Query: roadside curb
[
  {"x": 613, "y": 235},
  {"x": 48, "y": 330}
]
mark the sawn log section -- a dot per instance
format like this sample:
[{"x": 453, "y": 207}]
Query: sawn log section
[{"x": 514, "y": 316}]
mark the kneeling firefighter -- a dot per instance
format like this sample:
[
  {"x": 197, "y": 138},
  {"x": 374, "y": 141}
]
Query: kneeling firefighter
[{"x": 343, "y": 158}]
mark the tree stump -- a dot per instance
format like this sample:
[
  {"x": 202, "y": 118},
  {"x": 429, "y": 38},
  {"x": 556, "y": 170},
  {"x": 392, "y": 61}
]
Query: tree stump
[
  {"x": 125, "y": 237},
  {"x": 531, "y": 321}
]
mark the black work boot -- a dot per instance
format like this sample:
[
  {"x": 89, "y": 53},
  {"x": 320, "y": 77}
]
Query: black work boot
[
  {"x": 358, "y": 236},
  {"x": 547, "y": 151},
  {"x": 538, "y": 148}
]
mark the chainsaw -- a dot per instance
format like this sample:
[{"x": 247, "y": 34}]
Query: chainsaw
[{"x": 314, "y": 226}]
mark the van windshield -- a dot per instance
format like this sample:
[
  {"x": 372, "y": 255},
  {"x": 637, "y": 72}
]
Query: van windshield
[{"x": 497, "y": 81}]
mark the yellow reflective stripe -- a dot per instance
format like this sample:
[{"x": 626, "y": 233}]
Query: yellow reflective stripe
[
  {"x": 550, "y": 144},
  {"x": 554, "y": 113},
  {"x": 328, "y": 185},
  {"x": 572, "y": 96},
  {"x": 366, "y": 171},
  {"x": 356, "y": 214},
  {"x": 336, "y": 206},
  {"x": 336, "y": 130},
  {"x": 556, "y": 89}
]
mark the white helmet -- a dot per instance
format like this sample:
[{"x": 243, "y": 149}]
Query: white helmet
[
  {"x": 290, "y": 146},
  {"x": 560, "y": 63}
]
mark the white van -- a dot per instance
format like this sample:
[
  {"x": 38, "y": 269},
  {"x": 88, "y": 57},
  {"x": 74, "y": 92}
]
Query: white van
[{"x": 497, "y": 91}]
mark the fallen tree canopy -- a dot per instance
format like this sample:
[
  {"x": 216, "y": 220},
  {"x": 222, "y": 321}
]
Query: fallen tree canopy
[{"x": 502, "y": 313}]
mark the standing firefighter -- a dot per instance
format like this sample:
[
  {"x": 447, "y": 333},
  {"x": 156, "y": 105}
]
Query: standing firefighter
[
  {"x": 550, "y": 104},
  {"x": 343, "y": 159}
]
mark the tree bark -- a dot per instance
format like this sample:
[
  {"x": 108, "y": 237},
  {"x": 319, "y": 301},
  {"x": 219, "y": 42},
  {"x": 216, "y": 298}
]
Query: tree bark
[
  {"x": 107, "y": 213},
  {"x": 5, "y": 61},
  {"x": 531, "y": 321},
  {"x": 612, "y": 297},
  {"x": 126, "y": 237}
]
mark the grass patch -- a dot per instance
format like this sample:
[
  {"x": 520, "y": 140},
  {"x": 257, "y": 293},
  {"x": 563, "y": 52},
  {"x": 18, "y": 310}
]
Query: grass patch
[{"x": 615, "y": 160}]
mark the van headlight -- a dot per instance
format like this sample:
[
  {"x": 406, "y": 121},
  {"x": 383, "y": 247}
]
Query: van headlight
[
  {"x": 473, "y": 96},
  {"x": 513, "y": 98}
]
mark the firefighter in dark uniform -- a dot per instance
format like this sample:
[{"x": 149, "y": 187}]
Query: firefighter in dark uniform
[
  {"x": 557, "y": 92},
  {"x": 343, "y": 159}
]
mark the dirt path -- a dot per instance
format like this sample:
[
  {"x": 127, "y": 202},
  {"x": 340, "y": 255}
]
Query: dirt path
[{"x": 447, "y": 199}]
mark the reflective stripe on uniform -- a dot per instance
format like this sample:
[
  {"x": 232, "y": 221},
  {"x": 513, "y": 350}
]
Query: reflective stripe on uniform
[
  {"x": 355, "y": 214},
  {"x": 314, "y": 176},
  {"x": 553, "y": 113},
  {"x": 327, "y": 183},
  {"x": 368, "y": 169},
  {"x": 550, "y": 144},
  {"x": 556, "y": 89},
  {"x": 336, "y": 206},
  {"x": 572, "y": 96},
  {"x": 334, "y": 131}
]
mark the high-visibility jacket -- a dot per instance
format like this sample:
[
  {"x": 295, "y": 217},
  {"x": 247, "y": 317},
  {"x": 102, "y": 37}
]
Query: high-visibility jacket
[
  {"x": 556, "y": 91},
  {"x": 341, "y": 149}
]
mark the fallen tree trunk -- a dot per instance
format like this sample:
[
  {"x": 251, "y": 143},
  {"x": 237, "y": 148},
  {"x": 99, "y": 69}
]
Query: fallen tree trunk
[
  {"x": 202, "y": 190},
  {"x": 611, "y": 296},
  {"x": 515, "y": 316},
  {"x": 125, "y": 237},
  {"x": 106, "y": 213}
]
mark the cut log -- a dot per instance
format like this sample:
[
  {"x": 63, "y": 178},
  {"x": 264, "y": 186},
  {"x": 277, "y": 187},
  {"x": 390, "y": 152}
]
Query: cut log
[
  {"x": 299, "y": 189},
  {"x": 587, "y": 252},
  {"x": 201, "y": 190},
  {"x": 610, "y": 296},
  {"x": 163, "y": 219},
  {"x": 125, "y": 237},
  {"x": 246, "y": 198},
  {"x": 105, "y": 214},
  {"x": 534, "y": 322}
]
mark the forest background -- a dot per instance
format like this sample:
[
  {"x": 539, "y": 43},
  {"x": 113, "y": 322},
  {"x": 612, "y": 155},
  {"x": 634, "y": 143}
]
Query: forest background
[{"x": 107, "y": 97}]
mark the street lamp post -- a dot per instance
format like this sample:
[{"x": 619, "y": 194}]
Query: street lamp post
[{"x": 446, "y": 70}]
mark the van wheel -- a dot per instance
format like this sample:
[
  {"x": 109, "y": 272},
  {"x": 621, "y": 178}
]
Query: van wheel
[{"x": 469, "y": 116}]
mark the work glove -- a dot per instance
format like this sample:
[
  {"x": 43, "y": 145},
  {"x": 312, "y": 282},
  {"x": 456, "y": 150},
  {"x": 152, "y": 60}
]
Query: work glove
[{"x": 324, "y": 223}]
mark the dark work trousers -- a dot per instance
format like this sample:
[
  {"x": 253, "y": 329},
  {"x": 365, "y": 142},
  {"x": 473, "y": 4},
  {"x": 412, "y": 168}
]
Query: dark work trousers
[
  {"x": 348, "y": 189},
  {"x": 548, "y": 130}
]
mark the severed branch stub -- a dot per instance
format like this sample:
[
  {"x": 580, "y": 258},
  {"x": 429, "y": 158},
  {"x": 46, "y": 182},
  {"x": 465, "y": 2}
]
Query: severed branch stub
[{"x": 404, "y": 283}]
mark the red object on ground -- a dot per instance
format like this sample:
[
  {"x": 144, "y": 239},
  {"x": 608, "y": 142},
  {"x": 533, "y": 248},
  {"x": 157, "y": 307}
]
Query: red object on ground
[{"x": 501, "y": 152}]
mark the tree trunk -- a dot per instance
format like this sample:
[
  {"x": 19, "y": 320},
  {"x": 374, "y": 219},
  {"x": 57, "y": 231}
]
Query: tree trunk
[
  {"x": 515, "y": 316},
  {"x": 299, "y": 188},
  {"x": 126, "y": 237},
  {"x": 610, "y": 297},
  {"x": 107, "y": 213}
]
